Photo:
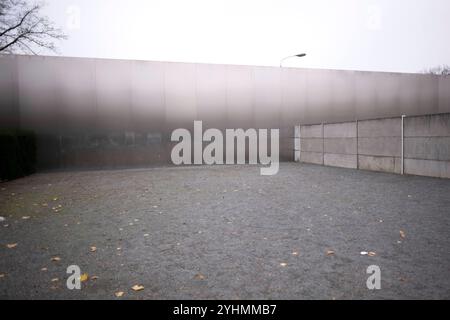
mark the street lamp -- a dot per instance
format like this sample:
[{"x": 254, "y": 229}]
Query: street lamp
[{"x": 300, "y": 55}]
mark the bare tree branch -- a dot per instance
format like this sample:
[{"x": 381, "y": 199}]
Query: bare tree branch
[
  {"x": 443, "y": 70},
  {"x": 24, "y": 30}
]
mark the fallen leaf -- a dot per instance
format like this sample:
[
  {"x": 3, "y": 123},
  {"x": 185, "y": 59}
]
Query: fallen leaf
[
  {"x": 137, "y": 287},
  {"x": 295, "y": 253},
  {"x": 119, "y": 294},
  {"x": 199, "y": 276},
  {"x": 372, "y": 254},
  {"x": 55, "y": 280},
  {"x": 283, "y": 264},
  {"x": 84, "y": 277},
  {"x": 26, "y": 217},
  {"x": 402, "y": 234},
  {"x": 44, "y": 269},
  {"x": 11, "y": 245},
  {"x": 93, "y": 249},
  {"x": 55, "y": 259},
  {"x": 94, "y": 278},
  {"x": 330, "y": 252}
]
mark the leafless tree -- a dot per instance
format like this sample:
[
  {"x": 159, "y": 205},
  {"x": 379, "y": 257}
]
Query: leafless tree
[
  {"x": 23, "y": 28},
  {"x": 443, "y": 70}
]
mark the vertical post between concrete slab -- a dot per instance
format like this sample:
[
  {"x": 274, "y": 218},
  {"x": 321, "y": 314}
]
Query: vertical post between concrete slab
[
  {"x": 357, "y": 150},
  {"x": 297, "y": 142},
  {"x": 403, "y": 145},
  {"x": 323, "y": 145}
]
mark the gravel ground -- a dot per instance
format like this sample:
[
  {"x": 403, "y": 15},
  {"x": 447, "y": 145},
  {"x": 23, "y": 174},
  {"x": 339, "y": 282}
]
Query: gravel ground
[{"x": 225, "y": 232}]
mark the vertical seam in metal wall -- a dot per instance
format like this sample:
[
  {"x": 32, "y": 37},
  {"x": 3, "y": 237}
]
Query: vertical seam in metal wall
[
  {"x": 130, "y": 108},
  {"x": 16, "y": 92},
  {"x": 164, "y": 64},
  {"x": 253, "y": 108},
  {"x": 96, "y": 94},
  {"x": 227, "y": 114},
  {"x": 196, "y": 117}
]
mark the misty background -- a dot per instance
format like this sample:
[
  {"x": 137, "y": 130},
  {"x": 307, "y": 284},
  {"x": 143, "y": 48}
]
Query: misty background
[{"x": 375, "y": 35}]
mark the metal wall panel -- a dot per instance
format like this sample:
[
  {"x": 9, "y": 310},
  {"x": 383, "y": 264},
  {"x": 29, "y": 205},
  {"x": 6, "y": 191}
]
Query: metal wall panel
[
  {"x": 148, "y": 97},
  {"x": 211, "y": 95},
  {"x": 267, "y": 97},
  {"x": 293, "y": 99},
  {"x": 9, "y": 111},
  {"x": 239, "y": 96},
  {"x": 180, "y": 94},
  {"x": 93, "y": 110},
  {"x": 444, "y": 94}
]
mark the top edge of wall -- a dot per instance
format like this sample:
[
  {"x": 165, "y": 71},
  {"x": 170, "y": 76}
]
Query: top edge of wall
[{"x": 44, "y": 57}]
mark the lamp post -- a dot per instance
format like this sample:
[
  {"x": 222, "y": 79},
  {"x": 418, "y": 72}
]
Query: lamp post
[{"x": 300, "y": 55}]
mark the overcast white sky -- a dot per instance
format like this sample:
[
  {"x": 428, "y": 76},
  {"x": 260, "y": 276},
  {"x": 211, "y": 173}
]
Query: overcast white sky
[{"x": 378, "y": 35}]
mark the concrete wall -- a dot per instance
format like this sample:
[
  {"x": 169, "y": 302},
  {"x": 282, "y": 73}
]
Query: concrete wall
[
  {"x": 340, "y": 145},
  {"x": 427, "y": 145},
  {"x": 311, "y": 144},
  {"x": 377, "y": 145},
  {"x": 106, "y": 113}
]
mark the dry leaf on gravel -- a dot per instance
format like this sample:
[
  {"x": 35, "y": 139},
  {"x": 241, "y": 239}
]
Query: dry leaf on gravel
[
  {"x": 199, "y": 276},
  {"x": 119, "y": 294},
  {"x": 84, "y": 277},
  {"x": 402, "y": 234},
  {"x": 55, "y": 259},
  {"x": 93, "y": 249},
  {"x": 11, "y": 245},
  {"x": 283, "y": 264},
  {"x": 372, "y": 254},
  {"x": 330, "y": 252},
  {"x": 137, "y": 287}
]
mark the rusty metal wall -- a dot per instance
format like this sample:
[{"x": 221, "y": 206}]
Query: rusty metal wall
[{"x": 109, "y": 113}]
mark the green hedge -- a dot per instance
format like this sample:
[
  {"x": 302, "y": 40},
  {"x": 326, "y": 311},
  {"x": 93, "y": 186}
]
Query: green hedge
[{"x": 18, "y": 154}]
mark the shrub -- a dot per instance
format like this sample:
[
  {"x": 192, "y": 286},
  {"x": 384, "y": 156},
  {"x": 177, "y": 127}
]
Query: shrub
[{"x": 17, "y": 154}]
